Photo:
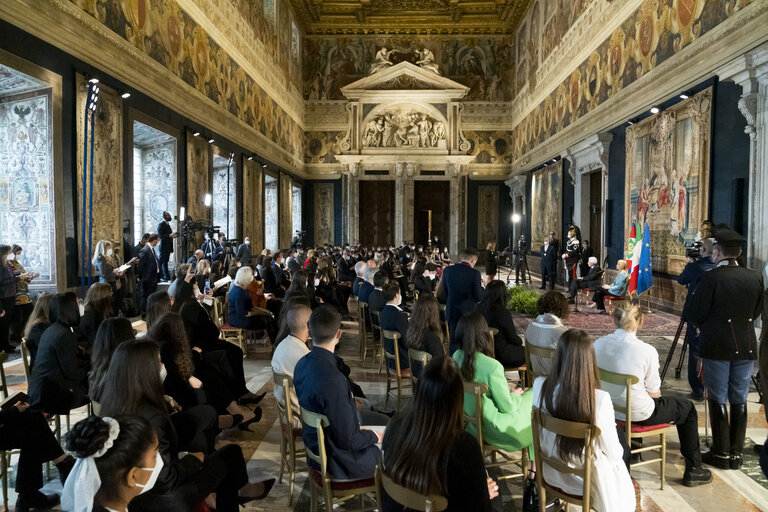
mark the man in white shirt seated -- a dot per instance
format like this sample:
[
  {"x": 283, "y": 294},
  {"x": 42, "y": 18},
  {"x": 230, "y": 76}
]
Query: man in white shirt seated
[
  {"x": 288, "y": 352},
  {"x": 623, "y": 352}
]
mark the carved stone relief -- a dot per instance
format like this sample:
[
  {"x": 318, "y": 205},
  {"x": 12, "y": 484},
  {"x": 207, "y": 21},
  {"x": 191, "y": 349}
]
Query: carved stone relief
[{"x": 403, "y": 127}]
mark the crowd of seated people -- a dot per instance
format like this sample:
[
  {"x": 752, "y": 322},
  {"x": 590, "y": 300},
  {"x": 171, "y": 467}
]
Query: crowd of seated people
[{"x": 161, "y": 401}]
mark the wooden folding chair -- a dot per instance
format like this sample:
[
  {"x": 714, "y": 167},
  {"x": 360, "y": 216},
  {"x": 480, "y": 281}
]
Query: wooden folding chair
[
  {"x": 638, "y": 431},
  {"x": 417, "y": 360},
  {"x": 289, "y": 433},
  {"x": 476, "y": 390},
  {"x": 395, "y": 375},
  {"x": 540, "y": 352},
  {"x": 409, "y": 499},
  {"x": 574, "y": 430},
  {"x": 333, "y": 491}
]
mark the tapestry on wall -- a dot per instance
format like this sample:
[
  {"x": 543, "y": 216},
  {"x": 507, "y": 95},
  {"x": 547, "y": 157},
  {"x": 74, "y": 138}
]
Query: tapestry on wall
[
  {"x": 487, "y": 215},
  {"x": 107, "y": 165},
  {"x": 324, "y": 213},
  {"x": 546, "y": 205},
  {"x": 667, "y": 180},
  {"x": 198, "y": 180},
  {"x": 253, "y": 183},
  {"x": 27, "y": 215}
]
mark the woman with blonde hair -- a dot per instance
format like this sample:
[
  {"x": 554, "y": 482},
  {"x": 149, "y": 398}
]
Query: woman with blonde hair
[
  {"x": 202, "y": 271},
  {"x": 97, "y": 308},
  {"x": 572, "y": 392},
  {"x": 37, "y": 323},
  {"x": 105, "y": 263},
  {"x": 490, "y": 262},
  {"x": 617, "y": 289}
]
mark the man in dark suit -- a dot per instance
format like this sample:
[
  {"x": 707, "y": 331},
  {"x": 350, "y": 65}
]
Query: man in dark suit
[
  {"x": 139, "y": 246},
  {"x": 294, "y": 262},
  {"x": 166, "y": 234},
  {"x": 592, "y": 280},
  {"x": 723, "y": 307},
  {"x": 462, "y": 288},
  {"x": 322, "y": 388},
  {"x": 149, "y": 270},
  {"x": 548, "y": 263},
  {"x": 360, "y": 268},
  {"x": 195, "y": 258},
  {"x": 208, "y": 247},
  {"x": 376, "y": 300},
  {"x": 393, "y": 318},
  {"x": 346, "y": 266},
  {"x": 366, "y": 287},
  {"x": 244, "y": 251},
  {"x": 281, "y": 276}
]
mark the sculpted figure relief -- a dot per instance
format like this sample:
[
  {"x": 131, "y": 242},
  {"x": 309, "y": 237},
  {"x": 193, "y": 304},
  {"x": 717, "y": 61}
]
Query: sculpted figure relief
[
  {"x": 381, "y": 61},
  {"x": 407, "y": 129}
]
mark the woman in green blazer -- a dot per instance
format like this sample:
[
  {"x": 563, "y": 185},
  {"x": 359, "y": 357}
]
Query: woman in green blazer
[{"x": 506, "y": 415}]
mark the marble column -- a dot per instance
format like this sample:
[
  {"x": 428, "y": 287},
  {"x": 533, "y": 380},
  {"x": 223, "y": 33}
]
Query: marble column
[
  {"x": 404, "y": 172},
  {"x": 458, "y": 193},
  {"x": 750, "y": 71},
  {"x": 350, "y": 203}
]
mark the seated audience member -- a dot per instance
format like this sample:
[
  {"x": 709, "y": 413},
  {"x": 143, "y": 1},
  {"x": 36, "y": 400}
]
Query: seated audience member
[
  {"x": 112, "y": 332},
  {"x": 592, "y": 280},
  {"x": 624, "y": 352},
  {"x": 98, "y": 307},
  {"x": 267, "y": 276},
  {"x": 196, "y": 256},
  {"x": 28, "y": 432},
  {"x": 242, "y": 312},
  {"x": 572, "y": 393},
  {"x": 344, "y": 264},
  {"x": 323, "y": 389},
  {"x": 282, "y": 277},
  {"x": 506, "y": 415},
  {"x": 217, "y": 272},
  {"x": 327, "y": 287},
  {"x": 424, "y": 330},
  {"x": 360, "y": 268},
  {"x": 133, "y": 386},
  {"x": 546, "y": 330},
  {"x": 427, "y": 450},
  {"x": 234, "y": 266},
  {"x": 376, "y": 300},
  {"x": 37, "y": 323},
  {"x": 292, "y": 348},
  {"x": 293, "y": 263},
  {"x": 422, "y": 282},
  {"x": 204, "y": 337},
  {"x": 299, "y": 284},
  {"x": 617, "y": 289},
  {"x": 192, "y": 379},
  {"x": 59, "y": 380},
  {"x": 202, "y": 271},
  {"x": 393, "y": 318},
  {"x": 507, "y": 345},
  {"x": 366, "y": 287},
  {"x": 158, "y": 304},
  {"x": 181, "y": 272},
  {"x": 117, "y": 459}
]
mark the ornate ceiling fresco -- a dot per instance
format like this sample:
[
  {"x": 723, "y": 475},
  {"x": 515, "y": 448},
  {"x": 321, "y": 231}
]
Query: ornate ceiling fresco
[{"x": 409, "y": 16}]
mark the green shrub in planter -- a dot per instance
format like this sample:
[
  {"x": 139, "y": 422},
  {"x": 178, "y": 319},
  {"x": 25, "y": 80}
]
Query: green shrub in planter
[{"x": 522, "y": 300}]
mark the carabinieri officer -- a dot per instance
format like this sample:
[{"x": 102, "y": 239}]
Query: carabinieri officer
[{"x": 724, "y": 306}]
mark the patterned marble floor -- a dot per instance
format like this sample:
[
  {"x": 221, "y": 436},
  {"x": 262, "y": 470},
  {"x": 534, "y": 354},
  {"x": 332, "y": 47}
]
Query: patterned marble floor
[{"x": 745, "y": 490}]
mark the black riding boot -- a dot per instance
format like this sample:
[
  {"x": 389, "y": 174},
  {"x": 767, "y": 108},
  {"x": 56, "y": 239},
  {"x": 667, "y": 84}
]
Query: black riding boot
[
  {"x": 719, "y": 455},
  {"x": 738, "y": 431}
]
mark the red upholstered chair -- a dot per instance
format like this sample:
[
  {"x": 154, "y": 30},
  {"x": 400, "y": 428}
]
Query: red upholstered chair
[
  {"x": 609, "y": 300},
  {"x": 333, "y": 491},
  {"x": 638, "y": 431}
]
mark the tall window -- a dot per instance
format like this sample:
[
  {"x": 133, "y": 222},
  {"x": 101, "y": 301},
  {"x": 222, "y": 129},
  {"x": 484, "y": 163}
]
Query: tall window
[
  {"x": 26, "y": 172},
  {"x": 225, "y": 195},
  {"x": 154, "y": 178},
  {"x": 270, "y": 213},
  {"x": 296, "y": 207}
]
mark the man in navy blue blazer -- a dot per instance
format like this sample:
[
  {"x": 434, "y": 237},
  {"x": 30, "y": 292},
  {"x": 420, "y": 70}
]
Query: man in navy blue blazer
[
  {"x": 548, "y": 263},
  {"x": 393, "y": 318},
  {"x": 323, "y": 389},
  {"x": 148, "y": 270},
  {"x": 365, "y": 289},
  {"x": 376, "y": 300},
  {"x": 463, "y": 290}
]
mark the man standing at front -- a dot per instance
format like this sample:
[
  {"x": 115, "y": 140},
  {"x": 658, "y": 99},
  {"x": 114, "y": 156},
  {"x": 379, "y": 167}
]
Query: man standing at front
[
  {"x": 244, "y": 251},
  {"x": 166, "y": 234},
  {"x": 463, "y": 290},
  {"x": 723, "y": 308},
  {"x": 149, "y": 270}
]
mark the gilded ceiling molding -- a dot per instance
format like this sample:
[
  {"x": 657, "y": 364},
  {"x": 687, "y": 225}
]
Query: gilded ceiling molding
[
  {"x": 64, "y": 25},
  {"x": 622, "y": 97},
  {"x": 247, "y": 51}
]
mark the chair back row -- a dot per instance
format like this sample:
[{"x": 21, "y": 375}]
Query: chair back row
[
  {"x": 409, "y": 499},
  {"x": 540, "y": 352},
  {"x": 477, "y": 390}
]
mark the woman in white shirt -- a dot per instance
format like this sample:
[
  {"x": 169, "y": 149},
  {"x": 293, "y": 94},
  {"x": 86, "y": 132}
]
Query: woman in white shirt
[
  {"x": 545, "y": 331},
  {"x": 572, "y": 392}
]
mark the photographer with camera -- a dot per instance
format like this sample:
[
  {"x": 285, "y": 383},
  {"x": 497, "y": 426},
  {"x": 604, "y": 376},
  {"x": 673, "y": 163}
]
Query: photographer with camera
[{"x": 700, "y": 261}]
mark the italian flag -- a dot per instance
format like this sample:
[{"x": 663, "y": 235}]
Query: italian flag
[{"x": 633, "y": 259}]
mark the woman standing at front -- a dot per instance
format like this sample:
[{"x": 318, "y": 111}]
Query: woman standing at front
[
  {"x": 491, "y": 266},
  {"x": 24, "y": 304}
]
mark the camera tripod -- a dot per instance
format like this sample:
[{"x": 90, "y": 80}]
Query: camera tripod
[
  {"x": 671, "y": 354},
  {"x": 525, "y": 271}
]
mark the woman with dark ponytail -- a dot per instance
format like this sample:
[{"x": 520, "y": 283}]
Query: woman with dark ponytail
[{"x": 117, "y": 459}]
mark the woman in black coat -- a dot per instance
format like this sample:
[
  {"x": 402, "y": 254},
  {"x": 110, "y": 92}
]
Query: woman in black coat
[
  {"x": 37, "y": 323},
  {"x": 508, "y": 347},
  {"x": 97, "y": 308},
  {"x": 59, "y": 379},
  {"x": 491, "y": 267}
]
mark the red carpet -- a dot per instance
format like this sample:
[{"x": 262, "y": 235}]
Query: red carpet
[{"x": 657, "y": 323}]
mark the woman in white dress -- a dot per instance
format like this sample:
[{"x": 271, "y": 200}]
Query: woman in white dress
[{"x": 572, "y": 392}]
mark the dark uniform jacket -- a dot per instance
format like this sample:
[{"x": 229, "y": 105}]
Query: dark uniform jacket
[
  {"x": 723, "y": 308},
  {"x": 165, "y": 231}
]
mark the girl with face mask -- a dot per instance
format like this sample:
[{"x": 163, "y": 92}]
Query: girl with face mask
[{"x": 117, "y": 459}]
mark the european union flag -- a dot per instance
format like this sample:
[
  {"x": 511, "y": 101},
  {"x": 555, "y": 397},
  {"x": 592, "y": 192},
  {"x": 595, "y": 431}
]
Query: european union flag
[{"x": 645, "y": 275}]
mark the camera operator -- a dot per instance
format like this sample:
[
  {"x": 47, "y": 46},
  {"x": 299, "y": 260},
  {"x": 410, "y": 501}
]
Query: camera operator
[
  {"x": 209, "y": 245},
  {"x": 700, "y": 261},
  {"x": 521, "y": 259},
  {"x": 723, "y": 307}
]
